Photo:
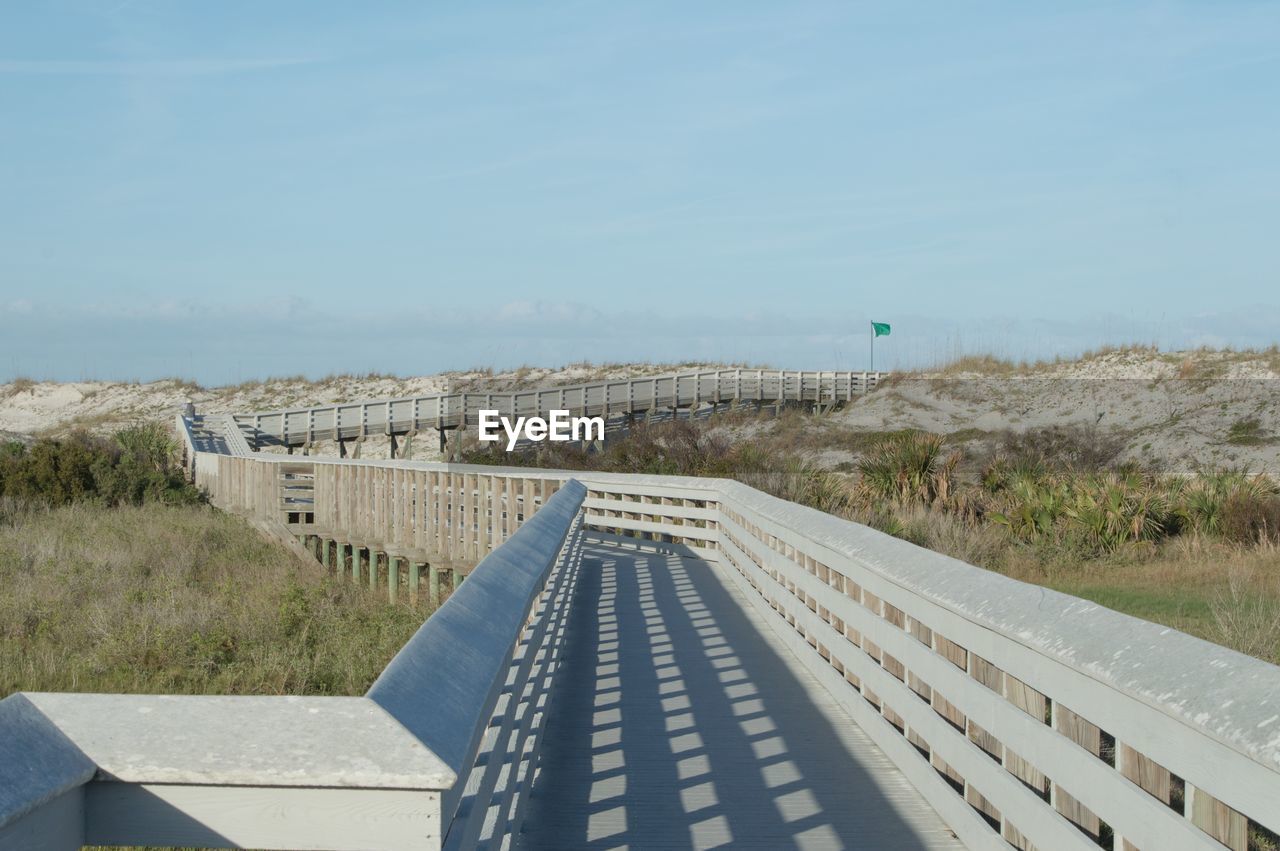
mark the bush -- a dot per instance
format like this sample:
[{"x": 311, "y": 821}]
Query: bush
[
  {"x": 1251, "y": 518},
  {"x": 1112, "y": 510},
  {"x": 909, "y": 467},
  {"x": 1070, "y": 447},
  {"x": 1202, "y": 503},
  {"x": 137, "y": 467}
]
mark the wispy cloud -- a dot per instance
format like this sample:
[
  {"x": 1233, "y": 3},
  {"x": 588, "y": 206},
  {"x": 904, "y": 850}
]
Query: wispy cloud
[{"x": 152, "y": 68}]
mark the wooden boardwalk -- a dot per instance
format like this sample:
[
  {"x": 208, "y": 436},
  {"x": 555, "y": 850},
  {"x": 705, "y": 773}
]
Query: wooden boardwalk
[
  {"x": 681, "y": 722},
  {"x": 607, "y": 397}
]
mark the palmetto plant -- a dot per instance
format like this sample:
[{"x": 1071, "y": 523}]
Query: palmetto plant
[
  {"x": 910, "y": 467},
  {"x": 1115, "y": 509},
  {"x": 1032, "y": 508},
  {"x": 1203, "y": 502}
]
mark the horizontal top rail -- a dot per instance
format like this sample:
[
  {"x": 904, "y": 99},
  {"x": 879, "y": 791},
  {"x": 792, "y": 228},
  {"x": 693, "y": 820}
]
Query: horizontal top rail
[
  {"x": 344, "y": 742},
  {"x": 443, "y": 684}
]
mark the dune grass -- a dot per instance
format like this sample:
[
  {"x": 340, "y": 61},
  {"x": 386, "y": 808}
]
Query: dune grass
[{"x": 179, "y": 600}]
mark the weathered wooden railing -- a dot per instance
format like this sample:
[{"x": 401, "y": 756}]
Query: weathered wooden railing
[
  {"x": 1023, "y": 716},
  {"x": 353, "y": 420}
]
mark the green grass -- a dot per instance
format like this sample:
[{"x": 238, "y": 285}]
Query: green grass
[{"x": 1182, "y": 608}]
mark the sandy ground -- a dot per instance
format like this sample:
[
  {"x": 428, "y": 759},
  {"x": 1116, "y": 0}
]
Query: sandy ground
[
  {"x": 1142, "y": 403},
  {"x": 1172, "y": 410}
]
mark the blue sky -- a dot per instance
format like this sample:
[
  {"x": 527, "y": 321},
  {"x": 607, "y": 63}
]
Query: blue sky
[{"x": 226, "y": 190}]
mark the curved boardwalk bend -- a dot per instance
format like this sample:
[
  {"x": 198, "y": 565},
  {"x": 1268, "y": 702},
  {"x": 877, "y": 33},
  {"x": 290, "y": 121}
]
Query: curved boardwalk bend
[{"x": 657, "y": 662}]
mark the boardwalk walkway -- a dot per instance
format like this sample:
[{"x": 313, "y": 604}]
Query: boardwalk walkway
[{"x": 686, "y": 724}]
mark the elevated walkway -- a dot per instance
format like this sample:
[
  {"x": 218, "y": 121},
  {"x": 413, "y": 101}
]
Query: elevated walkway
[{"x": 682, "y": 722}]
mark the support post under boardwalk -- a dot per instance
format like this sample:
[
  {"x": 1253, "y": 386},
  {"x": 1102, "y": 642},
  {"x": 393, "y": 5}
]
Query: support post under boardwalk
[
  {"x": 395, "y": 445},
  {"x": 355, "y": 564},
  {"x": 393, "y": 577},
  {"x": 433, "y": 585},
  {"x": 373, "y": 569},
  {"x": 324, "y": 552}
]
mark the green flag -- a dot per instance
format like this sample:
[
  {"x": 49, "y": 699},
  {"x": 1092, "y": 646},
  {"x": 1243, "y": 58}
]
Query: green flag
[{"x": 880, "y": 329}]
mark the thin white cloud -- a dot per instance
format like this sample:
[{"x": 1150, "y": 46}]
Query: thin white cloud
[{"x": 152, "y": 68}]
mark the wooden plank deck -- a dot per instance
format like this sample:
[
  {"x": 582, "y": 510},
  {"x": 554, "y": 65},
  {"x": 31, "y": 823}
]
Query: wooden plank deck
[{"x": 679, "y": 721}]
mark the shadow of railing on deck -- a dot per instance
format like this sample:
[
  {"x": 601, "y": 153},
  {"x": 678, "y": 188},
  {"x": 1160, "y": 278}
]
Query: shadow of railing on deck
[{"x": 682, "y": 720}]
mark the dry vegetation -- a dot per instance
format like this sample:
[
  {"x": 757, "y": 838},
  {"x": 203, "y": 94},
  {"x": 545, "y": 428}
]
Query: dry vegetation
[
  {"x": 118, "y": 578},
  {"x": 181, "y": 600},
  {"x": 1053, "y": 507},
  {"x": 1203, "y": 363}
]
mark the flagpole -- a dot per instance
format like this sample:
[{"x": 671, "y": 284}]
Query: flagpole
[{"x": 873, "y": 347}]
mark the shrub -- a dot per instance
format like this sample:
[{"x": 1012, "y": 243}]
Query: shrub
[
  {"x": 1112, "y": 510},
  {"x": 909, "y": 467},
  {"x": 138, "y": 466},
  {"x": 1032, "y": 507},
  {"x": 1070, "y": 447},
  {"x": 1202, "y": 502},
  {"x": 1251, "y": 518}
]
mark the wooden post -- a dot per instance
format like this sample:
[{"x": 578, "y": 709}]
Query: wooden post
[
  {"x": 393, "y": 577},
  {"x": 373, "y": 569},
  {"x": 355, "y": 564},
  {"x": 433, "y": 585},
  {"x": 324, "y": 553},
  {"x": 414, "y": 579},
  {"x": 440, "y": 532}
]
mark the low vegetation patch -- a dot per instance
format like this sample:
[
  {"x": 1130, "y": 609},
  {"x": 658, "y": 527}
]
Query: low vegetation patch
[
  {"x": 178, "y": 600},
  {"x": 16, "y": 386},
  {"x": 134, "y": 467},
  {"x": 1247, "y": 431},
  {"x": 1053, "y": 507},
  {"x": 117, "y": 578}
]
